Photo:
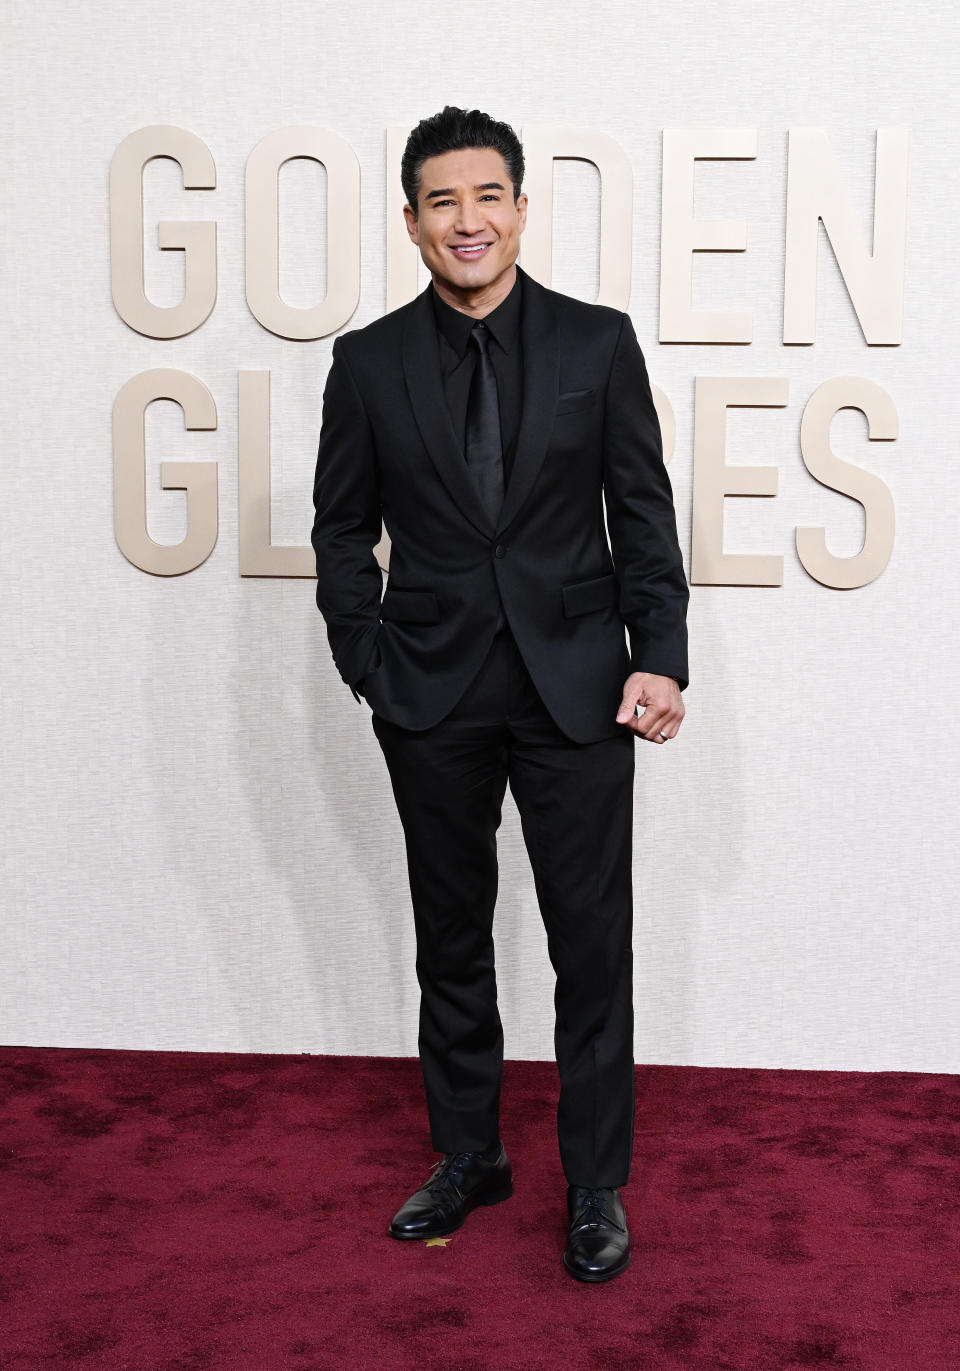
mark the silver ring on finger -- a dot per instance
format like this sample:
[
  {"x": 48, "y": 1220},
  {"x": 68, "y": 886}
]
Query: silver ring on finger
[{"x": 664, "y": 736}]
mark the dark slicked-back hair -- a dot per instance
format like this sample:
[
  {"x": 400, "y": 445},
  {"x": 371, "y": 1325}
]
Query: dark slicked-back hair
[{"x": 450, "y": 130}]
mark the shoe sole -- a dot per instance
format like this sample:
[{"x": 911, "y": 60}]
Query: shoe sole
[
  {"x": 597, "y": 1275},
  {"x": 503, "y": 1192}
]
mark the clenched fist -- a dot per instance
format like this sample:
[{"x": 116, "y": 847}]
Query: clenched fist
[{"x": 659, "y": 699}]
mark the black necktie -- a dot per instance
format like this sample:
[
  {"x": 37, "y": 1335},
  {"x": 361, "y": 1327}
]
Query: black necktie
[{"x": 484, "y": 452}]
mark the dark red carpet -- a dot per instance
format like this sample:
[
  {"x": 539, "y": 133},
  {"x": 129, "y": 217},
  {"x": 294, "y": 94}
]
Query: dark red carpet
[{"x": 170, "y": 1211}]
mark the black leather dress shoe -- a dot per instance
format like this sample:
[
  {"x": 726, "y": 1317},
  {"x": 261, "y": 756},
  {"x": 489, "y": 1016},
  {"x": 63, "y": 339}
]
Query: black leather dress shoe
[
  {"x": 460, "y": 1181},
  {"x": 598, "y": 1247}
]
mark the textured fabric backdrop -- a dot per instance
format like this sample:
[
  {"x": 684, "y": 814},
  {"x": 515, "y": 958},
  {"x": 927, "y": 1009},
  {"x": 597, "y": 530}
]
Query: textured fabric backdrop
[{"x": 200, "y": 845}]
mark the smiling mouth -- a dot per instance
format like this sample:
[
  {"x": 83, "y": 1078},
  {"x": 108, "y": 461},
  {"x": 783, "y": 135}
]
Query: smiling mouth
[{"x": 468, "y": 252}]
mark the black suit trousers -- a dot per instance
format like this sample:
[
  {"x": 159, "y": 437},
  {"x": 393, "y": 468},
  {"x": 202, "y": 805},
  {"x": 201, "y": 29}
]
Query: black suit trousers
[{"x": 575, "y": 802}]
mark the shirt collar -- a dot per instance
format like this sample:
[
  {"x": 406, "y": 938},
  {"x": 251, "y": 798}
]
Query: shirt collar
[{"x": 503, "y": 322}]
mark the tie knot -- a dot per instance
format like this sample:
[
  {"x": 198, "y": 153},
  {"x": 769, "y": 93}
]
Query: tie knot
[{"x": 480, "y": 335}]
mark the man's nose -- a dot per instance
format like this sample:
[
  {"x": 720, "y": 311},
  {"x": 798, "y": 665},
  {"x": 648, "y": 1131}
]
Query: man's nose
[{"x": 469, "y": 220}]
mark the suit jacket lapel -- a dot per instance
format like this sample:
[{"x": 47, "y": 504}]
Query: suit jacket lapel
[
  {"x": 541, "y": 376},
  {"x": 541, "y": 386},
  {"x": 421, "y": 369}
]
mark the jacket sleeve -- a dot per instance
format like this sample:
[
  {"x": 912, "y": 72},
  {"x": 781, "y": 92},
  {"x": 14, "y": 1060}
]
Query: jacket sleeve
[
  {"x": 347, "y": 525},
  {"x": 641, "y": 520}
]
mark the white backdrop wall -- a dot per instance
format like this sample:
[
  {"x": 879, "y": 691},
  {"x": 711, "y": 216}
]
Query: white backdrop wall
[{"x": 201, "y": 849}]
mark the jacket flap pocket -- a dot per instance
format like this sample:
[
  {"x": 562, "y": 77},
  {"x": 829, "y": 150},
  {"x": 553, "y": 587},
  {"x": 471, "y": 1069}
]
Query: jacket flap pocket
[
  {"x": 572, "y": 400},
  {"x": 582, "y": 596},
  {"x": 412, "y": 606}
]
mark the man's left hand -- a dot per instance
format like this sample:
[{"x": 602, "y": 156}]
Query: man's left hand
[{"x": 659, "y": 698}]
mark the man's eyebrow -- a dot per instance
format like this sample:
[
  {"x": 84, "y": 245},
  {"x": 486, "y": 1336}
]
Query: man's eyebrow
[{"x": 487, "y": 185}]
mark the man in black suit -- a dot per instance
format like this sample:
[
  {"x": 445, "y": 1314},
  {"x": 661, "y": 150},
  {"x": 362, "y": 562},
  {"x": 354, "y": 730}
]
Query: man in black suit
[{"x": 487, "y": 423}]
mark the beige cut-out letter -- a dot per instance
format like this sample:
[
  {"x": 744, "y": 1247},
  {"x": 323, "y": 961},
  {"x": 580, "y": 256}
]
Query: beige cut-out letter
[
  {"x": 713, "y": 480},
  {"x": 681, "y": 236},
  {"x": 874, "y": 281},
  {"x": 197, "y": 240},
  {"x": 198, "y": 479},
  {"x": 848, "y": 392},
  {"x": 263, "y": 232},
  {"x": 542, "y": 146},
  {"x": 258, "y": 556}
]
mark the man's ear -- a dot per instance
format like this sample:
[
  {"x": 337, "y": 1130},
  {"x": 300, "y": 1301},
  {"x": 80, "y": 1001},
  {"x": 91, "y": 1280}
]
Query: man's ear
[{"x": 413, "y": 224}]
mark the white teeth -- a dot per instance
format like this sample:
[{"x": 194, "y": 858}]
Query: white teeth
[{"x": 478, "y": 248}]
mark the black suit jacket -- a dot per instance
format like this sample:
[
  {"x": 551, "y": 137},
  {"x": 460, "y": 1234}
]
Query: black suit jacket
[{"x": 589, "y": 434}]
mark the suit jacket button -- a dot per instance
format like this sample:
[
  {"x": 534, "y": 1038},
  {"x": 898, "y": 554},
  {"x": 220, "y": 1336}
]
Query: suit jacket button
[{"x": 500, "y": 550}]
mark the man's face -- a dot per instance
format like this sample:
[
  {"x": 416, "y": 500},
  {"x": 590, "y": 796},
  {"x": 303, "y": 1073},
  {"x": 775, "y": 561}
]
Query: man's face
[{"x": 466, "y": 202}]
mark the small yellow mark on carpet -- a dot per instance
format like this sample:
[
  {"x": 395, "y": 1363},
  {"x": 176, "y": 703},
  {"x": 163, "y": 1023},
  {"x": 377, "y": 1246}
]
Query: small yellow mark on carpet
[{"x": 436, "y": 1242}]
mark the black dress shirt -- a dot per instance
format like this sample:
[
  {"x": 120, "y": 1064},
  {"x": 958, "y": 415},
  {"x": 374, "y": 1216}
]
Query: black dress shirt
[{"x": 458, "y": 362}]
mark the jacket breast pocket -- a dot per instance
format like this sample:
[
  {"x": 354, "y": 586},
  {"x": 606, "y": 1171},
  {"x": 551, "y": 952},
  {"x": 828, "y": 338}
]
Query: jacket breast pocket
[
  {"x": 410, "y": 606},
  {"x": 573, "y": 401},
  {"x": 581, "y": 597}
]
